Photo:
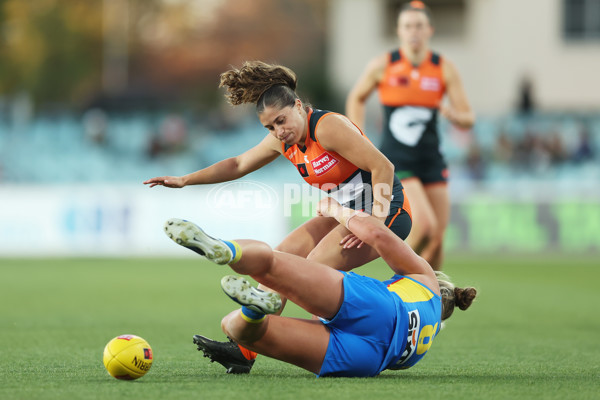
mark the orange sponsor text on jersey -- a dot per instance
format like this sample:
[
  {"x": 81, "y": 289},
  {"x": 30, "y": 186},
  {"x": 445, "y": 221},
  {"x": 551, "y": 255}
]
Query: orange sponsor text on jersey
[{"x": 406, "y": 85}]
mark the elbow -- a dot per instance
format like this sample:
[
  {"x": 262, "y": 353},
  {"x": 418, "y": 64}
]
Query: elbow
[
  {"x": 374, "y": 235},
  {"x": 389, "y": 166},
  {"x": 386, "y": 168}
]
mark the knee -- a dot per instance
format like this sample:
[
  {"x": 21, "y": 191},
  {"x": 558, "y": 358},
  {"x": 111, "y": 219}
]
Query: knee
[
  {"x": 426, "y": 227},
  {"x": 257, "y": 258}
]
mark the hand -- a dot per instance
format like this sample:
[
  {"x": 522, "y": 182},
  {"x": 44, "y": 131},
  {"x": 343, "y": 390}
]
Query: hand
[
  {"x": 350, "y": 241},
  {"x": 327, "y": 207},
  {"x": 448, "y": 113},
  {"x": 168, "y": 181}
]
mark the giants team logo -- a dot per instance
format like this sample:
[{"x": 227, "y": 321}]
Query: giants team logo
[
  {"x": 323, "y": 163},
  {"x": 302, "y": 169}
]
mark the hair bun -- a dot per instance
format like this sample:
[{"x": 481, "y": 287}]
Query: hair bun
[{"x": 463, "y": 298}]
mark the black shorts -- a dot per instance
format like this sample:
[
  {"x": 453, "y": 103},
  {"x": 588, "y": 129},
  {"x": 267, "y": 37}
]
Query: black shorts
[
  {"x": 430, "y": 172},
  {"x": 399, "y": 219}
]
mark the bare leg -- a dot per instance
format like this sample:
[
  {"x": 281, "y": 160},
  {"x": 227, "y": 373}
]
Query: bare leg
[
  {"x": 423, "y": 215},
  {"x": 302, "y": 240},
  {"x": 313, "y": 286},
  {"x": 440, "y": 203},
  {"x": 319, "y": 240},
  {"x": 296, "y": 341}
]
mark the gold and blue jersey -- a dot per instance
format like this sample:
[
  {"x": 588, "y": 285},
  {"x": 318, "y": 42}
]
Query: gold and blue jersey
[{"x": 423, "y": 310}]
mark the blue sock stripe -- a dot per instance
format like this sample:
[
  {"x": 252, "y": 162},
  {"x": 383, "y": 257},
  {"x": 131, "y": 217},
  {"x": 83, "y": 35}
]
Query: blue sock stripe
[
  {"x": 251, "y": 313},
  {"x": 232, "y": 247}
]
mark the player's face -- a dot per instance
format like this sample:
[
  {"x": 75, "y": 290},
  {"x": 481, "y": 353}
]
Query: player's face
[
  {"x": 414, "y": 29},
  {"x": 287, "y": 124}
]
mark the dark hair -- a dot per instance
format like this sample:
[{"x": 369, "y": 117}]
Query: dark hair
[
  {"x": 417, "y": 5},
  {"x": 264, "y": 84},
  {"x": 453, "y": 296}
]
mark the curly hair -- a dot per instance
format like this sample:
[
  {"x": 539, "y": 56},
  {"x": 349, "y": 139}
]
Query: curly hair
[
  {"x": 261, "y": 83},
  {"x": 453, "y": 296}
]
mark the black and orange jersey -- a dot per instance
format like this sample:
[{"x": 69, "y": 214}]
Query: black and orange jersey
[
  {"x": 321, "y": 168},
  {"x": 411, "y": 97},
  {"x": 404, "y": 84},
  {"x": 329, "y": 171}
]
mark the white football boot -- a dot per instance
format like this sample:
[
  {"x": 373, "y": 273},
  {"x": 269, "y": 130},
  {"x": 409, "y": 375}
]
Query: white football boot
[
  {"x": 189, "y": 235},
  {"x": 242, "y": 292}
]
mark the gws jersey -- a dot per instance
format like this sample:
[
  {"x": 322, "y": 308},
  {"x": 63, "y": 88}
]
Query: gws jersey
[
  {"x": 423, "y": 310},
  {"x": 329, "y": 171},
  {"x": 411, "y": 97}
]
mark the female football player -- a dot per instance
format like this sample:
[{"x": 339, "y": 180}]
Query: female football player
[
  {"x": 365, "y": 326},
  {"x": 329, "y": 152},
  {"x": 412, "y": 82}
]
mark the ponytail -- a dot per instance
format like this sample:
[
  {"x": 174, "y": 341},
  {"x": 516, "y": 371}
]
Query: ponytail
[{"x": 260, "y": 83}]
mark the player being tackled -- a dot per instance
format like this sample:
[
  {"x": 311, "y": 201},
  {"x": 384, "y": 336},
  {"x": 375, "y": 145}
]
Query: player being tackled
[{"x": 255, "y": 303}]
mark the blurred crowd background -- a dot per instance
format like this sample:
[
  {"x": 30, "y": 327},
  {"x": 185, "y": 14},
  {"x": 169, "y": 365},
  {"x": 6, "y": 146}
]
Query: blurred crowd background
[{"x": 112, "y": 92}]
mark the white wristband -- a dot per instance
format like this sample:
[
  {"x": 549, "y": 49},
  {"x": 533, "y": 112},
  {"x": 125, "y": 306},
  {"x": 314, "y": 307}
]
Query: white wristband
[{"x": 349, "y": 218}]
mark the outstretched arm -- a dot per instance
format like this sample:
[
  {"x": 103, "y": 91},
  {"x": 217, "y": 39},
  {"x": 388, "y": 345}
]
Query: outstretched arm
[
  {"x": 226, "y": 170},
  {"x": 395, "y": 252}
]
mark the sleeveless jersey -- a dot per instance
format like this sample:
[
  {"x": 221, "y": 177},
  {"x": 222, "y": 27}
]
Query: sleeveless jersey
[
  {"x": 411, "y": 97},
  {"x": 329, "y": 171},
  {"x": 424, "y": 311}
]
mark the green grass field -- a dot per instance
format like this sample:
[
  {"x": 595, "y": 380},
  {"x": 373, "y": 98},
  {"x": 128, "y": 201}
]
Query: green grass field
[{"x": 533, "y": 333}]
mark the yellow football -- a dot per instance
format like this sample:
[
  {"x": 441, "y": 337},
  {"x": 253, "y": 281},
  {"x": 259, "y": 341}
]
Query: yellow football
[{"x": 127, "y": 357}]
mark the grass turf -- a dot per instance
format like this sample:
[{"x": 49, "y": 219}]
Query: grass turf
[{"x": 531, "y": 334}]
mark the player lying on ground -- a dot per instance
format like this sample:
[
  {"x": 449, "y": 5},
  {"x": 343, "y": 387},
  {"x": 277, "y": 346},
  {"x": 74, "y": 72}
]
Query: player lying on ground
[{"x": 365, "y": 325}]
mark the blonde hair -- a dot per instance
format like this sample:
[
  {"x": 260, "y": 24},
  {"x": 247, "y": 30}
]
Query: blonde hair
[
  {"x": 264, "y": 84},
  {"x": 453, "y": 296}
]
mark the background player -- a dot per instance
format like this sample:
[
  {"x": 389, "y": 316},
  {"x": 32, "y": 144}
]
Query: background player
[{"x": 412, "y": 81}]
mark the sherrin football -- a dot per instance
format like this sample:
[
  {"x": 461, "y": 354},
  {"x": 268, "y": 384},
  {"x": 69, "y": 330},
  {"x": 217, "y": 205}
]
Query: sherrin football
[{"x": 127, "y": 357}]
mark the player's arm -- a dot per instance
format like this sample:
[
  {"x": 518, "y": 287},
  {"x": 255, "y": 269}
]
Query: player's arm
[
  {"x": 366, "y": 84},
  {"x": 394, "y": 251},
  {"x": 226, "y": 170},
  {"x": 337, "y": 133},
  {"x": 459, "y": 112}
]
